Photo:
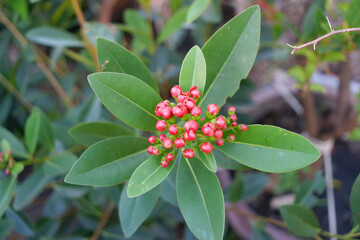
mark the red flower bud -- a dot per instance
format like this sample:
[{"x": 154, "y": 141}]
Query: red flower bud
[
  {"x": 208, "y": 129},
  {"x": 181, "y": 98},
  {"x": 155, "y": 151},
  {"x": 170, "y": 157},
  {"x": 162, "y": 137},
  {"x": 218, "y": 133},
  {"x": 180, "y": 110},
  {"x": 231, "y": 110},
  {"x": 213, "y": 109},
  {"x": 219, "y": 142},
  {"x": 150, "y": 149},
  {"x": 167, "y": 143},
  {"x": 194, "y": 92},
  {"x": 192, "y": 124},
  {"x": 190, "y": 135},
  {"x": 231, "y": 137},
  {"x": 166, "y": 112},
  {"x": 234, "y": 124},
  {"x": 233, "y": 117},
  {"x": 179, "y": 142},
  {"x": 159, "y": 107},
  {"x": 175, "y": 91},
  {"x": 206, "y": 147},
  {"x": 196, "y": 111},
  {"x": 243, "y": 127},
  {"x": 189, "y": 153},
  {"x": 7, "y": 172},
  {"x": 173, "y": 129},
  {"x": 160, "y": 125},
  {"x": 164, "y": 164},
  {"x": 152, "y": 139},
  {"x": 220, "y": 122},
  {"x": 190, "y": 103}
]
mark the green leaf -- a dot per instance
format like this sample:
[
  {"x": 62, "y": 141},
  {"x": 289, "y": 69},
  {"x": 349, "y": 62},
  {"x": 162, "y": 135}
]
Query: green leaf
[
  {"x": 270, "y": 149},
  {"x": 254, "y": 183},
  {"x": 16, "y": 146},
  {"x": 32, "y": 129},
  {"x": 53, "y": 37},
  {"x": 6, "y": 226},
  {"x": 237, "y": 188},
  {"x": 28, "y": 190},
  {"x": 142, "y": 39},
  {"x": 193, "y": 70},
  {"x": 200, "y": 199},
  {"x": 38, "y": 129},
  {"x": 21, "y": 7},
  {"x": 173, "y": 25},
  {"x": 147, "y": 176},
  {"x": 333, "y": 57},
  {"x": 230, "y": 54},
  {"x": 300, "y": 221},
  {"x": 355, "y": 200},
  {"x": 93, "y": 132},
  {"x": 298, "y": 73},
  {"x": 196, "y": 9},
  {"x": 352, "y": 15},
  {"x": 208, "y": 160},
  {"x": 95, "y": 30},
  {"x": 59, "y": 165},
  {"x": 127, "y": 97},
  {"x": 317, "y": 88},
  {"x": 7, "y": 187},
  {"x": 22, "y": 223},
  {"x": 115, "y": 58},
  {"x": 109, "y": 162},
  {"x": 134, "y": 211},
  {"x": 168, "y": 189}
]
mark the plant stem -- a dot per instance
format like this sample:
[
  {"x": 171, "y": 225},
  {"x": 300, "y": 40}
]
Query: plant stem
[
  {"x": 49, "y": 75},
  {"x": 81, "y": 19},
  {"x": 255, "y": 216},
  {"x": 15, "y": 93},
  {"x": 104, "y": 219},
  {"x": 314, "y": 42}
]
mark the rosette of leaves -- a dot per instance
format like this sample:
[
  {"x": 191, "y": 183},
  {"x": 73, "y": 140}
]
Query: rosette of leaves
[{"x": 128, "y": 90}]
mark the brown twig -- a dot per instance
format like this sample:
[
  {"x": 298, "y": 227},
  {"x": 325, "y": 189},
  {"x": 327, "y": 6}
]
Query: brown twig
[
  {"x": 255, "y": 216},
  {"x": 15, "y": 92},
  {"x": 81, "y": 19},
  {"x": 314, "y": 42},
  {"x": 49, "y": 75},
  {"x": 104, "y": 219}
]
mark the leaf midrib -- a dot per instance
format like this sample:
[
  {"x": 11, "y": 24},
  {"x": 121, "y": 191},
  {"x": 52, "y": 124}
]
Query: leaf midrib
[
  {"x": 223, "y": 66},
  {"x": 201, "y": 194},
  {"x": 116, "y": 61},
  {"x": 129, "y": 100},
  {"x": 115, "y": 161},
  {"x": 7, "y": 191},
  {"x": 267, "y": 147}
]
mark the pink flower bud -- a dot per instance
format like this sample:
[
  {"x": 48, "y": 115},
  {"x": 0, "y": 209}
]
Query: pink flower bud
[
  {"x": 175, "y": 91},
  {"x": 206, "y": 147},
  {"x": 160, "y": 125},
  {"x": 218, "y": 133},
  {"x": 190, "y": 135},
  {"x": 208, "y": 129},
  {"x": 189, "y": 153},
  {"x": 220, "y": 122},
  {"x": 167, "y": 143},
  {"x": 179, "y": 142},
  {"x": 192, "y": 124},
  {"x": 213, "y": 109}
]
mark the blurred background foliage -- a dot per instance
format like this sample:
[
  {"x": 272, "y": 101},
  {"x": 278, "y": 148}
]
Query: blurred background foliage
[{"x": 47, "y": 48}]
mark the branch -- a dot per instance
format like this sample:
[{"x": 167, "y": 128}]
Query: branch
[
  {"x": 314, "y": 42},
  {"x": 104, "y": 219}
]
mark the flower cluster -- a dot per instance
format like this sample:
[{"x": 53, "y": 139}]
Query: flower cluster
[
  {"x": 195, "y": 132},
  {"x": 6, "y": 161}
]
